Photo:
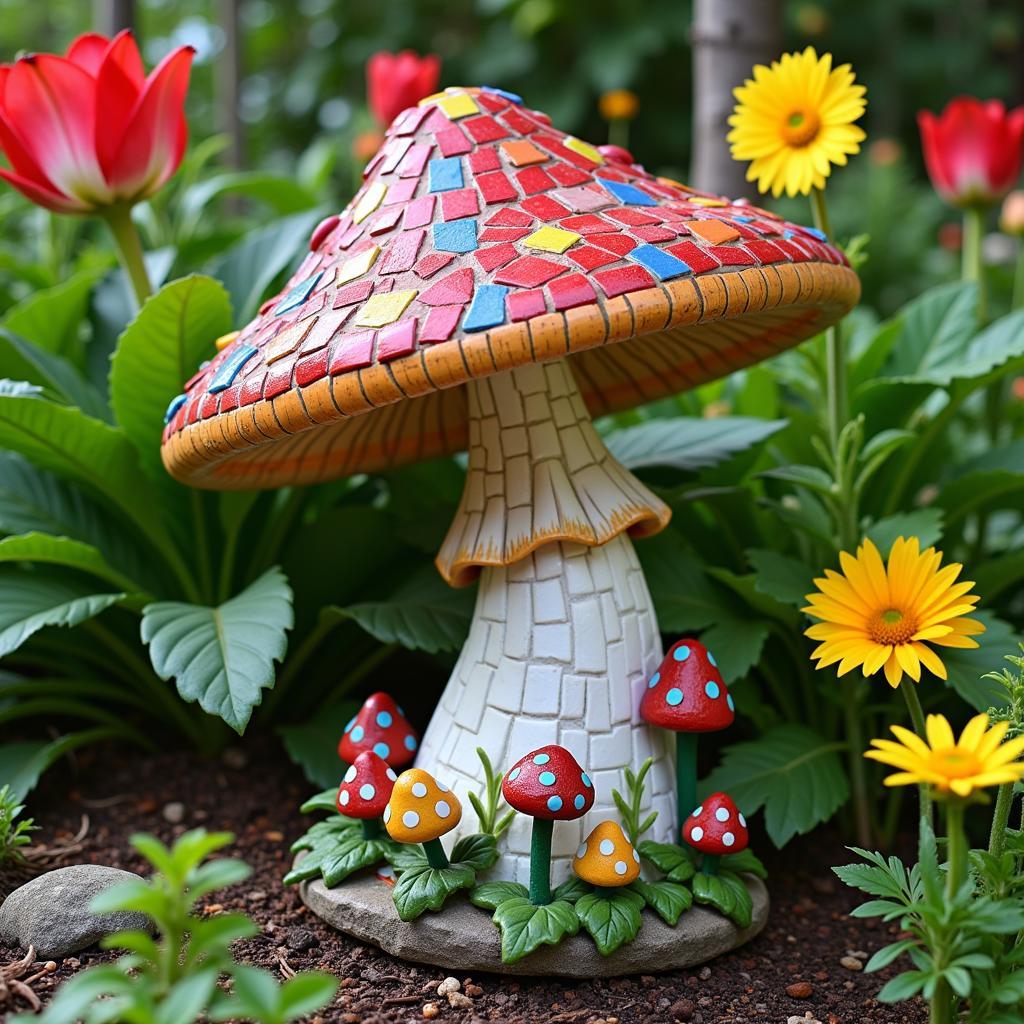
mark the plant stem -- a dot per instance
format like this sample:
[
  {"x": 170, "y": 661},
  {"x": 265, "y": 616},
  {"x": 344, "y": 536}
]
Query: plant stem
[
  {"x": 956, "y": 847},
  {"x": 436, "y": 857},
  {"x": 835, "y": 354},
  {"x": 686, "y": 776},
  {"x": 909, "y": 689},
  {"x": 371, "y": 830},
  {"x": 129, "y": 249},
  {"x": 1018, "y": 279},
  {"x": 971, "y": 268},
  {"x": 709, "y": 864},
  {"x": 858, "y": 777},
  {"x": 1000, "y": 819},
  {"x": 540, "y": 862}
]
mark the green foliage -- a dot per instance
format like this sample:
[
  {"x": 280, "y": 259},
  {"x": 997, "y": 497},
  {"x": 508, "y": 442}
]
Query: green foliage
[
  {"x": 611, "y": 916},
  {"x": 526, "y": 927},
  {"x": 727, "y": 893},
  {"x": 629, "y": 806},
  {"x": 486, "y": 810},
  {"x": 667, "y": 899},
  {"x": 175, "y": 976},
  {"x": 676, "y": 863},
  {"x": 14, "y": 833},
  {"x": 424, "y": 888}
]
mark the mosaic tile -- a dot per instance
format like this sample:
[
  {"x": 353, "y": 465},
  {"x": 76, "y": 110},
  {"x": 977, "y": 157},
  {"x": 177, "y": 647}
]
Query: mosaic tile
[
  {"x": 544, "y": 208},
  {"x": 353, "y": 294},
  {"x": 590, "y": 258},
  {"x": 484, "y": 159},
  {"x": 533, "y": 180},
  {"x": 528, "y": 272},
  {"x": 401, "y": 191},
  {"x": 352, "y": 353},
  {"x": 386, "y": 220},
  {"x": 381, "y": 310},
  {"x": 459, "y": 105},
  {"x": 622, "y": 280},
  {"x": 440, "y": 323},
  {"x": 628, "y": 193},
  {"x": 696, "y": 258},
  {"x": 731, "y": 255},
  {"x": 312, "y": 368},
  {"x": 402, "y": 251},
  {"x": 522, "y": 305},
  {"x": 456, "y": 289},
  {"x": 453, "y": 142},
  {"x": 485, "y": 129},
  {"x": 582, "y": 199},
  {"x": 444, "y": 174},
  {"x": 662, "y": 264},
  {"x": 509, "y": 217},
  {"x": 419, "y": 212},
  {"x": 495, "y": 256},
  {"x": 518, "y": 122},
  {"x": 297, "y": 295},
  {"x": 765, "y": 251},
  {"x": 584, "y": 149},
  {"x": 414, "y": 160},
  {"x": 456, "y": 236},
  {"x": 586, "y": 224},
  {"x": 571, "y": 291},
  {"x": 712, "y": 231},
  {"x": 551, "y": 239},
  {"x": 522, "y": 152},
  {"x": 397, "y": 340},
  {"x": 503, "y": 234},
  {"x": 620, "y": 244},
  {"x": 487, "y": 308},
  {"x": 371, "y": 199},
  {"x": 566, "y": 174},
  {"x": 462, "y": 202},
  {"x": 496, "y": 188},
  {"x": 432, "y": 263}
]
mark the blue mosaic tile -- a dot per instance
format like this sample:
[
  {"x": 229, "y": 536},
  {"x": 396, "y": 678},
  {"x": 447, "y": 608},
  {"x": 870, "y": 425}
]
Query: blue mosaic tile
[
  {"x": 456, "y": 236},
  {"x": 743, "y": 218},
  {"x": 627, "y": 193},
  {"x": 176, "y": 403},
  {"x": 510, "y": 96},
  {"x": 663, "y": 265},
  {"x": 298, "y": 295},
  {"x": 817, "y": 234},
  {"x": 487, "y": 309},
  {"x": 229, "y": 369},
  {"x": 445, "y": 174}
]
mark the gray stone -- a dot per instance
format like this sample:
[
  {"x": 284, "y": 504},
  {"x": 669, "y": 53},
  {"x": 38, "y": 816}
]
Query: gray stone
[
  {"x": 52, "y": 911},
  {"x": 463, "y": 938}
]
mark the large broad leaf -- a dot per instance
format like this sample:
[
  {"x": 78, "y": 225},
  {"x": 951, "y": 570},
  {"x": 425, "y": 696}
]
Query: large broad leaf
[
  {"x": 72, "y": 554},
  {"x": 793, "y": 773},
  {"x": 924, "y": 523},
  {"x": 21, "y": 764},
  {"x": 424, "y": 614},
  {"x": 687, "y": 442},
  {"x": 526, "y": 927},
  {"x": 282, "y": 194},
  {"x": 159, "y": 350},
  {"x": 51, "y": 317},
  {"x": 967, "y": 666},
  {"x": 782, "y": 577},
  {"x": 612, "y": 917},
  {"x": 249, "y": 268},
  {"x": 223, "y": 657},
  {"x": 34, "y": 500},
  {"x": 31, "y": 600},
  {"x": 313, "y": 746},
  {"x": 996, "y": 488}
]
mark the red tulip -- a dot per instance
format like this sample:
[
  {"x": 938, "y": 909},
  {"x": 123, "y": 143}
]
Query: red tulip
[
  {"x": 395, "y": 81},
  {"x": 89, "y": 130},
  {"x": 973, "y": 150}
]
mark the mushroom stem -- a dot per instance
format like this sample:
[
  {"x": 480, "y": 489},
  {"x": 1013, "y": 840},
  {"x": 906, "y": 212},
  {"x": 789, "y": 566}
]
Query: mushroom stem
[
  {"x": 709, "y": 864},
  {"x": 686, "y": 774},
  {"x": 436, "y": 857},
  {"x": 371, "y": 828},
  {"x": 540, "y": 862}
]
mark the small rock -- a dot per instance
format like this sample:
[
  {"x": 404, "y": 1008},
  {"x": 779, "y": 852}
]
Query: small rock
[
  {"x": 851, "y": 963},
  {"x": 448, "y": 986},
  {"x": 51, "y": 912},
  {"x": 459, "y": 1001},
  {"x": 681, "y": 1009},
  {"x": 800, "y": 990},
  {"x": 301, "y": 939},
  {"x": 174, "y": 812},
  {"x": 430, "y": 1010},
  {"x": 705, "y": 973},
  {"x": 473, "y": 991}
]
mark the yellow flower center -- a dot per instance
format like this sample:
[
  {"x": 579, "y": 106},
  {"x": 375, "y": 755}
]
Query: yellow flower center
[
  {"x": 801, "y": 127},
  {"x": 891, "y": 626},
  {"x": 954, "y": 763}
]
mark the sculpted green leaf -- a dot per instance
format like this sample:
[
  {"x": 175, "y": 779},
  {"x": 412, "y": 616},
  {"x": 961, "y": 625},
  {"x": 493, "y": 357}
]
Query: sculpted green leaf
[
  {"x": 677, "y": 863},
  {"x": 727, "y": 894},
  {"x": 612, "y": 917},
  {"x": 490, "y": 894},
  {"x": 406, "y": 856},
  {"x": 745, "y": 860},
  {"x": 325, "y": 800},
  {"x": 571, "y": 889},
  {"x": 667, "y": 899},
  {"x": 525, "y": 927},
  {"x": 479, "y": 851},
  {"x": 350, "y": 856},
  {"x": 426, "y": 888},
  {"x": 223, "y": 657}
]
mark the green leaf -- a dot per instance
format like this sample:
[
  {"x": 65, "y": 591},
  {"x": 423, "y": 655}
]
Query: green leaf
[
  {"x": 967, "y": 667},
  {"x": 351, "y": 855},
  {"x": 305, "y": 993},
  {"x": 249, "y": 268},
  {"x": 804, "y": 476},
  {"x": 782, "y": 577},
  {"x": 407, "y": 857},
  {"x": 31, "y": 600},
  {"x": 21, "y": 764},
  {"x": 796, "y": 775},
  {"x": 322, "y": 841},
  {"x": 903, "y": 986},
  {"x": 525, "y": 927},
  {"x": 727, "y": 894},
  {"x": 490, "y": 894},
  {"x": 744, "y": 861},
  {"x": 426, "y": 888},
  {"x": 72, "y": 554},
  {"x": 667, "y": 899},
  {"x": 313, "y": 746},
  {"x": 675, "y": 862},
  {"x": 325, "y": 800},
  {"x": 612, "y": 917},
  {"x": 222, "y": 657},
  {"x": 923, "y": 523},
  {"x": 424, "y": 614},
  {"x": 688, "y": 443},
  {"x": 479, "y": 851},
  {"x": 973, "y": 491},
  {"x": 51, "y": 317},
  {"x": 160, "y": 350},
  {"x": 282, "y": 194},
  {"x": 571, "y": 889}
]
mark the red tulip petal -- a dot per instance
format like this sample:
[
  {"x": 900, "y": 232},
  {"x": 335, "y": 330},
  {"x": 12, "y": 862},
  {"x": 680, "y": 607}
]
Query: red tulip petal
[
  {"x": 42, "y": 196},
  {"x": 154, "y": 141},
  {"x": 124, "y": 50},
  {"x": 50, "y": 103},
  {"x": 19, "y": 157},
  {"x": 87, "y": 51},
  {"x": 119, "y": 83}
]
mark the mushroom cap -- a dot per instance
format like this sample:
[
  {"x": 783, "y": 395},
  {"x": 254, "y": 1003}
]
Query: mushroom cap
[
  {"x": 482, "y": 239},
  {"x": 366, "y": 787},
  {"x": 606, "y": 857},
  {"x": 687, "y": 693},
  {"x": 420, "y": 808},
  {"x": 548, "y": 783},
  {"x": 717, "y": 826},
  {"x": 381, "y": 726}
]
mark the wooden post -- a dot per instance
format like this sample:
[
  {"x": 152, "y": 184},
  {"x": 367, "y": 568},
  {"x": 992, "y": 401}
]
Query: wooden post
[
  {"x": 110, "y": 16},
  {"x": 729, "y": 37},
  {"x": 229, "y": 74}
]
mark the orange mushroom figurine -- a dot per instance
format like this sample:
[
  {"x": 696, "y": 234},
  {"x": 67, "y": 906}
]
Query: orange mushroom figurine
[
  {"x": 606, "y": 858},
  {"x": 421, "y": 810}
]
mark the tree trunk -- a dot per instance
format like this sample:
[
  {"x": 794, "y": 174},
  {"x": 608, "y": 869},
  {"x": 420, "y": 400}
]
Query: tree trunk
[
  {"x": 110, "y": 16},
  {"x": 729, "y": 37},
  {"x": 229, "y": 76}
]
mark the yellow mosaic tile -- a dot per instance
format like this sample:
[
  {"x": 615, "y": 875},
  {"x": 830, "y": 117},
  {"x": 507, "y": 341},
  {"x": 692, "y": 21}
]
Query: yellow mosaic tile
[
  {"x": 551, "y": 239},
  {"x": 584, "y": 149},
  {"x": 357, "y": 265},
  {"x": 701, "y": 201},
  {"x": 372, "y": 198},
  {"x": 384, "y": 309},
  {"x": 432, "y": 98},
  {"x": 225, "y": 339},
  {"x": 287, "y": 341},
  {"x": 459, "y": 105}
]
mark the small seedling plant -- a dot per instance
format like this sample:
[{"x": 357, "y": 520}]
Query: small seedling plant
[
  {"x": 186, "y": 972},
  {"x": 15, "y": 831}
]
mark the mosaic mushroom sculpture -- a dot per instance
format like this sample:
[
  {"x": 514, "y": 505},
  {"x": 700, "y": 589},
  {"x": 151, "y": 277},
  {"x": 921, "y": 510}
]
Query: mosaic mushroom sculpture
[{"x": 495, "y": 284}]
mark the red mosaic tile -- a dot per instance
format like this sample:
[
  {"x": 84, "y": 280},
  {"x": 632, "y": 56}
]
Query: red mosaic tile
[
  {"x": 518, "y": 121},
  {"x": 522, "y": 305},
  {"x": 695, "y": 258},
  {"x": 491, "y": 101},
  {"x": 453, "y": 142},
  {"x": 209, "y": 402},
  {"x": 460, "y": 202},
  {"x": 529, "y": 272},
  {"x": 590, "y": 258},
  {"x": 502, "y": 234},
  {"x": 312, "y": 368},
  {"x": 352, "y": 353},
  {"x": 632, "y": 217},
  {"x": 617, "y": 243},
  {"x": 440, "y": 324},
  {"x": 229, "y": 398},
  {"x": 544, "y": 208},
  {"x": 353, "y": 293},
  {"x": 415, "y": 160},
  {"x": 623, "y": 279},
  {"x": 509, "y": 218},
  {"x": 400, "y": 191},
  {"x": 566, "y": 175},
  {"x": 484, "y": 159},
  {"x": 484, "y": 128},
  {"x": 402, "y": 251},
  {"x": 496, "y": 255},
  {"x": 385, "y": 220},
  {"x": 432, "y": 263},
  {"x": 496, "y": 188},
  {"x": 279, "y": 380},
  {"x": 455, "y": 288},
  {"x": 396, "y": 340},
  {"x": 419, "y": 212},
  {"x": 586, "y": 224},
  {"x": 792, "y": 250},
  {"x": 765, "y": 251},
  {"x": 571, "y": 291},
  {"x": 653, "y": 233},
  {"x": 252, "y": 389},
  {"x": 534, "y": 179},
  {"x": 731, "y": 255}
]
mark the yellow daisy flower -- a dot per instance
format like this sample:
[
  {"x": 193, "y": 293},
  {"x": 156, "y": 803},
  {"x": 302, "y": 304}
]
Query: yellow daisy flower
[
  {"x": 977, "y": 760},
  {"x": 877, "y": 616},
  {"x": 793, "y": 120}
]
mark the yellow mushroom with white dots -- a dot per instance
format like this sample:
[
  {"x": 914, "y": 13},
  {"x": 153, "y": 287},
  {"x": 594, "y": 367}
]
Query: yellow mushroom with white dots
[
  {"x": 606, "y": 857},
  {"x": 421, "y": 810}
]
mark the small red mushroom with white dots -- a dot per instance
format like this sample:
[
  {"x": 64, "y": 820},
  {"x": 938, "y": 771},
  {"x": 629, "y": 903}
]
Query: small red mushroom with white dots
[
  {"x": 365, "y": 791},
  {"x": 380, "y": 726},
  {"x": 715, "y": 828}
]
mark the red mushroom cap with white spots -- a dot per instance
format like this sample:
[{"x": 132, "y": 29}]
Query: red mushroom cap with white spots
[
  {"x": 687, "y": 693},
  {"x": 366, "y": 788},
  {"x": 549, "y": 783},
  {"x": 717, "y": 826},
  {"x": 381, "y": 727}
]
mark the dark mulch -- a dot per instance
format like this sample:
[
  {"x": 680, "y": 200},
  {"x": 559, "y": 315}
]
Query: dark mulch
[{"x": 254, "y": 792}]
